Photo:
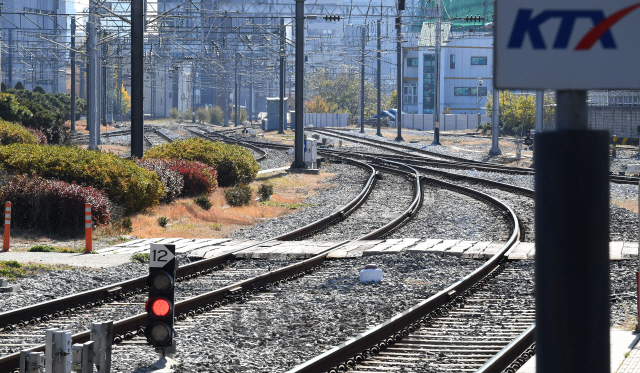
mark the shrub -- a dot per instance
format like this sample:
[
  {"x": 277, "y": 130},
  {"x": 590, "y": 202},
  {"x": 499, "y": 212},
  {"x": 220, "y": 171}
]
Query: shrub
[
  {"x": 203, "y": 202},
  {"x": 163, "y": 221},
  {"x": 126, "y": 184},
  {"x": 11, "y": 133},
  {"x": 53, "y": 206},
  {"x": 39, "y": 89},
  {"x": 197, "y": 177},
  {"x": 39, "y": 135},
  {"x": 265, "y": 191},
  {"x": 171, "y": 179},
  {"x": 18, "y": 85},
  {"x": 140, "y": 258},
  {"x": 216, "y": 115},
  {"x": 3, "y": 87},
  {"x": 202, "y": 115},
  {"x": 123, "y": 224},
  {"x": 242, "y": 113},
  {"x": 174, "y": 113},
  {"x": 186, "y": 114},
  {"x": 239, "y": 195},
  {"x": 234, "y": 163}
]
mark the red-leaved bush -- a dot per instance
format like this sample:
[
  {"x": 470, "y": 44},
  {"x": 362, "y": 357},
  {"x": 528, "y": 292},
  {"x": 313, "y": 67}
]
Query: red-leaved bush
[
  {"x": 39, "y": 135},
  {"x": 198, "y": 177},
  {"x": 53, "y": 206},
  {"x": 171, "y": 180}
]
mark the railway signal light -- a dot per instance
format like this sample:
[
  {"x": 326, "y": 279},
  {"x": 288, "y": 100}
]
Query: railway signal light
[
  {"x": 332, "y": 17},
  {"x": 161, "y": 304}
]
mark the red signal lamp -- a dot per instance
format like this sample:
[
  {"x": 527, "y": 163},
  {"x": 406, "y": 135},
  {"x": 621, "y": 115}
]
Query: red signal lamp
[{"x": 159, "y": 307}]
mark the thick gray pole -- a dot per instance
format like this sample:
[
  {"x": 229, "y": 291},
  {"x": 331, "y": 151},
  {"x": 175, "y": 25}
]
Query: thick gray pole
[
  {"x": 436, "y": 111},
  {"x": 282, "y": 109},
  {"x": 299, "y": 138},
  {"x": 137, "y": 78},
  {"x": 251, "y": 90},
  {"x": 193, "y": 92},
  {"x": 539, "y": 109},
  {"x": 495, "y": 124},
  {"x": 379, "y": 79},
  {"x": 235, "y": 97},
  {"x": 94, "y": 65},
  {"x": 572, "y": 242},
  {"x": 399, "y": 77},
  {"x": 73, "y": 74},
  {"x": 103, "y": 91},
  {"x": 364, "y": 43}
]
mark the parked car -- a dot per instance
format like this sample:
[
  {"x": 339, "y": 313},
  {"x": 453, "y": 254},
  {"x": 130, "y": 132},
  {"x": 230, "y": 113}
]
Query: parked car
[
  {"x": 384, "y": 114},
  {"x": 394, "y": 112}
]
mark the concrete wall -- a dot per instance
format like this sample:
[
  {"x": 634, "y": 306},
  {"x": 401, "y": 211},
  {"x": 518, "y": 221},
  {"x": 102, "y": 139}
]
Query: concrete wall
[
  {"x": 326, "y": 120},
  {"x": 449, "y": 122}
]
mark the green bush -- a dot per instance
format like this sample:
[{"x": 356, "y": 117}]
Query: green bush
[
  {"x": 202, "y": 115},
  {"x": 186, "y": 114},
  {"x": 239, "y": 195},
  {"x": 216, "y": 115},
  {"x": 242, "y": 113},
  {"x": 174, "y": 113},
  {"x": 126, "y": 184},
  {"x": 203, "y": 202},
  {"x": 18, "y": 85},
  {"x": 234, "y": 163},
  {"x": 39, "y": 89},
  {"x": 265, "y": 191},
  {"x": 3, "y": 87},
  {"x": 11, "y": 133},
  {"x": 140, "y": 258},
  {"x": 163, "y": 221}
]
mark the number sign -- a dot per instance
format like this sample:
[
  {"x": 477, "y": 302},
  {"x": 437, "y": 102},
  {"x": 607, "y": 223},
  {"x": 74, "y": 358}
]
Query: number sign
[{"x": 161, "y": 255}]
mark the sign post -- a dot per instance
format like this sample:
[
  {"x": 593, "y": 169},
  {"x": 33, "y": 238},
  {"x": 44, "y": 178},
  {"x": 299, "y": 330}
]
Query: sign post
[{"x": 570, "y": 46}]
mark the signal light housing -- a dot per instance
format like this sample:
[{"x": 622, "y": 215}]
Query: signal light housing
[{"x": 161, "y": 304}]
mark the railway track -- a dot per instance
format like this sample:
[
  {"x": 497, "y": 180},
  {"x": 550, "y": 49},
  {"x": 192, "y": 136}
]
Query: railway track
[
  {"x": 42, "y": 313},
  {"x": 129, "y": 328}
]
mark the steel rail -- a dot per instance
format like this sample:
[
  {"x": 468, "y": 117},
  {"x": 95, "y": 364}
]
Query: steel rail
[
  {"x": 134, "y": 325},
  {"x": 512, "y": 357},
  {"x": 95, "y": 297},
  {"x": 402, "y": 324}
]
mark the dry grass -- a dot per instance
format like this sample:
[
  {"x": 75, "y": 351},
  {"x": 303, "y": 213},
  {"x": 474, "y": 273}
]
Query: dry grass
[
  {"x": 187, "y": 220},
  {"x": 82, "y": 124},
  {"x": 629, "y": 204}
]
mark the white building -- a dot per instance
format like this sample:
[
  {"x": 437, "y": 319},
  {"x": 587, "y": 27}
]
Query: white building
[{"x": 463, "y": 59}]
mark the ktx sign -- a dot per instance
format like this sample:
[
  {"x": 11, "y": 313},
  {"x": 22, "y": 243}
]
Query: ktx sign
[{"x": 588, "y": 44}]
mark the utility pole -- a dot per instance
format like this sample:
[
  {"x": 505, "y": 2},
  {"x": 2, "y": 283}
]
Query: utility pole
[
  {"x": 495, "y": 121},
  {"x": 92, "y": 85},
  {"x": 539, "y": 109},
  {"x": 193, "y": 92},
  {"x": 364, "y": 43},
  {"x": 299, "y": 138},
  {"x": 235, "y": 99},
  {"x": 399, "y": 70},
  {"x": 436, "y": 112},
  {"x": 379, "y": 79},
  {"x": 10, "y": 72},
  {"x": 137, "y": 78},
  {"x": 250, "y": 108},
  {"x": 103, "y": 91},
  {"x": 73, "y": 74},
  {"x": 282, "y": 109}
]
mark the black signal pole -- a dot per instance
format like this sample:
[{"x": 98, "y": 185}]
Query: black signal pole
[
  {"x": 73, "y": 74},
  {"x": 299, "y": 138},
  {"x": 137, "y": 78}
]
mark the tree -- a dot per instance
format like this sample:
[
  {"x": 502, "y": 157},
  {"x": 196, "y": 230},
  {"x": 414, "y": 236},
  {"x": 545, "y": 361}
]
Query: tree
[
  {"x": 3, "y": 87},
  {"x": 341, "y": 92},
  {"x": 517, "y": 112},
  {"x": 125, "y": 101},
  {"x": 39, "y": 89},
  {"x": 174, "y": 113},
  {"x": 318, "y": 105},
  {"x": 19, "y": 85},
  {"x": 202, "y": 114},
  {"x": 242, "y": 112},
  {"x": 216, "y": 116},
  {"x": 186, "y": 114}
]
